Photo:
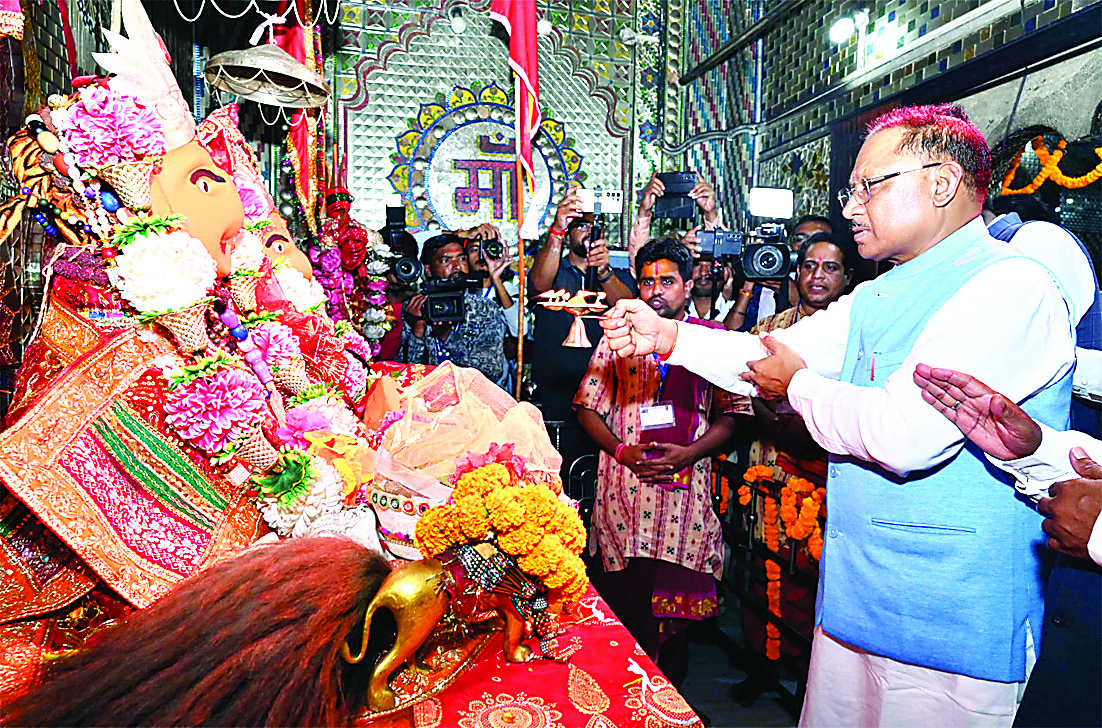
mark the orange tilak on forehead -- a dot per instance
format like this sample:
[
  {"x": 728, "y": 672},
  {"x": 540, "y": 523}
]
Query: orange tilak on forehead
[{"x": 659, "y": 269}]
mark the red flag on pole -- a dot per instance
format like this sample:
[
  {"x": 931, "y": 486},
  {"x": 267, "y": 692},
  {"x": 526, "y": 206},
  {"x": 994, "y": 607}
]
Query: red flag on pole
[{"x": 519, "y": 19}]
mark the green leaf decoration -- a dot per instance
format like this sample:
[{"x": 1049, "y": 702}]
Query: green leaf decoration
[
  {"x": 343, "y": 327},
  {"x": 259, "y": 317},
  {"x": 144, "y": 226},
  {"x": 314, "y": 391},
  {"x": 258, "y": 225},
  {"x": 225, "y": 456},
  {"x": 148, "y": 316},
  {"x": 292, "y": 476},
  {"x": 202, "y": 368}
]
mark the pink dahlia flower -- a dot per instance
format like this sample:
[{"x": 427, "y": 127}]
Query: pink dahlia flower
[
  {"x": 276, "y": 341},
  {"x": 217, "y": 410},
  {"x": 106, "y": 127}
]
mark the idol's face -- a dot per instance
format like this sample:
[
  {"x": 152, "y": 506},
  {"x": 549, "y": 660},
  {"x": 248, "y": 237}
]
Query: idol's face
[
  {"x": 191, "y": 184},
  {"x": 279, "y": 245}
]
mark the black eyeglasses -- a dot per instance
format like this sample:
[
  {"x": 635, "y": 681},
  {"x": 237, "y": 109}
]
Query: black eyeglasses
[{"x": 863, "y": 189}]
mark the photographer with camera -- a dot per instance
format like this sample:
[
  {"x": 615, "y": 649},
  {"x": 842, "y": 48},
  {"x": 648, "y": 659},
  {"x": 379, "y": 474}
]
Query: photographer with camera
[
  {"x": 557, "y": 370},
  {"x": 758, "y": 300},
  {"x": 446, "y": 322},
  {"x": 488, "y": 259}
]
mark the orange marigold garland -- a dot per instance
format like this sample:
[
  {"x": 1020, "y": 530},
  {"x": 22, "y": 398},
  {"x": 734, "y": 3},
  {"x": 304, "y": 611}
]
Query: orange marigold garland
[
  {"x": 799, "y": 521},
  {"x": 798, "y": 513},
  {"x": 497, "y": 502},
  {"x": 1050, "y": 170},
  {"x": 773, "y": 576}
]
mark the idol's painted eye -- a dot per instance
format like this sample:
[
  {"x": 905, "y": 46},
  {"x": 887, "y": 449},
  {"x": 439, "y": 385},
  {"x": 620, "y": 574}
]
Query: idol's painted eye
[
  {"x": 278, "y": 243},
  {"x": 202, "y": 179}
]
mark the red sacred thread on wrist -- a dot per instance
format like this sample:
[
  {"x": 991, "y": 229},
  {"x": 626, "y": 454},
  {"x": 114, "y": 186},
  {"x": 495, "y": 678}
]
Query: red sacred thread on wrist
[
  {"x": 620, "y": 452},
  {"x": 673, "y": 344}
]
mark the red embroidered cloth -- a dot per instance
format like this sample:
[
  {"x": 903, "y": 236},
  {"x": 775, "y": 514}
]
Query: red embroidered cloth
[{"x": 609, "y": 682}]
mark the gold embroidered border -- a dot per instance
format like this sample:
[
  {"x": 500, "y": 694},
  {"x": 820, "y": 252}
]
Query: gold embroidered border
[{"x": 29, "y": 465}]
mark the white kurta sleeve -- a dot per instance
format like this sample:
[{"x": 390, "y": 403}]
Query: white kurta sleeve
[
  {"x": 1088, "y": 373},
  {"x": 1052, "y": 464},
  {"x": 1054, "y": 248},
  {"x": 721, "y": 356},
  {"x": 1008, "y": 326}
]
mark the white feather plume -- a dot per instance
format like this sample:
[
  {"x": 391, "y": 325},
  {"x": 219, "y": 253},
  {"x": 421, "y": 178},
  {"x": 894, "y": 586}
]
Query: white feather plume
[{"x": 141, "y": 69}]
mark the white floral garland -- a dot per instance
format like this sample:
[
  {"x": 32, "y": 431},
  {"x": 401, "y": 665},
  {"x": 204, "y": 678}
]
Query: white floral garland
[
  {"x": 305, "y": 295},
  {"x": 294, "y": 520},
  {"x": 248, "y": 255},
  {"x": 163, "y": 271}
]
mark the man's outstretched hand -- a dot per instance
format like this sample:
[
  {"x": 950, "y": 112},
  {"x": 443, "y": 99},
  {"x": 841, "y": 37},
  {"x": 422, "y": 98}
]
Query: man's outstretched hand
[
  {"x": 998, "y": 426},
  {"x": 774, "y": 373},
  {"x": 632, "y": 328},
  {"x": 1072, "y": 507}
]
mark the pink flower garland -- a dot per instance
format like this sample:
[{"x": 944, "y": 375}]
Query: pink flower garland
[
  {"x": 355, "y": 342},
  {"x": 355, "y": 375},
  {"x": 300, "y": 420},
  {"x": 496, "y": 454},
  {"x": 276, "y": 342},
  {"x": 106, "y": 127},
  {"x": 217, "y": 410}
]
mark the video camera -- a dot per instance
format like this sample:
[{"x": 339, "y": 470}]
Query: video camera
[
  {"x": 444, "y": 299},
  {"x": 763, "y": 253},
  {"x": 406, "y": 267}
]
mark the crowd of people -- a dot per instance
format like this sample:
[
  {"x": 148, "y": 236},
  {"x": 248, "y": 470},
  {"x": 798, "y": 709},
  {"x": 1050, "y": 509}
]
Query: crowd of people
[{"x": 931, "y": 605}]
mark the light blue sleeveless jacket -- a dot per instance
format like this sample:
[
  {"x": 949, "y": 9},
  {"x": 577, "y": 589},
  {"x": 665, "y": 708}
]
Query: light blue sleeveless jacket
[{"x": 939, "y": 568}]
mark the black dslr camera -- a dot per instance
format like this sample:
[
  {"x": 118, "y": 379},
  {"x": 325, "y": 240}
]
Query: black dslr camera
[
  {"x": 762, "y": 253},
  {"x": 444, "y": 299},
  {"x": 406, "y": 267},
  {"x": 493, "y": 248}
]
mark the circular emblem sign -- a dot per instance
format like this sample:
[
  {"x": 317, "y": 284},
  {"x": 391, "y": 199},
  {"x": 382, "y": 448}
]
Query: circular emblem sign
[{"x": 456, "y": 167}]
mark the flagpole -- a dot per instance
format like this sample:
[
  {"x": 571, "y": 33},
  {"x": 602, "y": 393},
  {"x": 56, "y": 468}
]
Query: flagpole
[{"x": 518, "y": 180}]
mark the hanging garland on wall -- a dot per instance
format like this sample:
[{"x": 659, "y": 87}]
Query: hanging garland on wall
[{"x": 1050, "y": 169}]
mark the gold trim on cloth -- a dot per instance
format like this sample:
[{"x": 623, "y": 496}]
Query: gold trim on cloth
[{"x": 33, "y": 450}]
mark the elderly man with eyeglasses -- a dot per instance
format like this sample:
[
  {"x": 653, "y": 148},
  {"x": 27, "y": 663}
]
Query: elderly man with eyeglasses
[{"x": 930, "y": 593}]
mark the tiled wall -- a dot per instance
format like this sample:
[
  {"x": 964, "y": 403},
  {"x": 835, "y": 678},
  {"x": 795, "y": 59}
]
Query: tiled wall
[
  {"x": 396, "y": 55},
  {"x": 722, "y": 99},
  {"x": 809, "y": 82}
]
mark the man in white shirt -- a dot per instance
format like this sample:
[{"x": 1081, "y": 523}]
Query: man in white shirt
[
  {"x": 1065, "y": 686},
  {"x": 930, "y": 587}
]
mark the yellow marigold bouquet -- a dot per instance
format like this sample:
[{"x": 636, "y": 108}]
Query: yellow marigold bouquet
[{"x": 497, "y": 503}]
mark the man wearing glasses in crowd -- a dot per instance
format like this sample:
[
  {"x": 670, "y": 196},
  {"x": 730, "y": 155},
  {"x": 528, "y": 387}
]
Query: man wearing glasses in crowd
[{"x": 930, "y": 587}]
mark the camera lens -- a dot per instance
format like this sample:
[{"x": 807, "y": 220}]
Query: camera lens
[
  {"x": 493, "y": 248},
  {"x": 407, "y": 270},
  {"x": 767, "y": 261}
]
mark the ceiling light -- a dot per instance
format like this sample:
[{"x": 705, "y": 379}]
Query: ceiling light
[
  {"x": 459, "y": 23},
  {"x": 842, "y": 30}
]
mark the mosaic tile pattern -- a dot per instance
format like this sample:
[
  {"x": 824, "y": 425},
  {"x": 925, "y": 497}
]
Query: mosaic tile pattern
[
  {"x": 802, "y": 63},
  {"x": 806, "y": 171},
  {"x": 905, "y": 42},
  {"x": 50, "y": 44},
  {"x": 722, "y": 99},
  {"x": 428, "y": 59}
]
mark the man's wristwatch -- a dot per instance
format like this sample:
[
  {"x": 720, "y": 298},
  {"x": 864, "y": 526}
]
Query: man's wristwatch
[{"x": 603, "y": 274}]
